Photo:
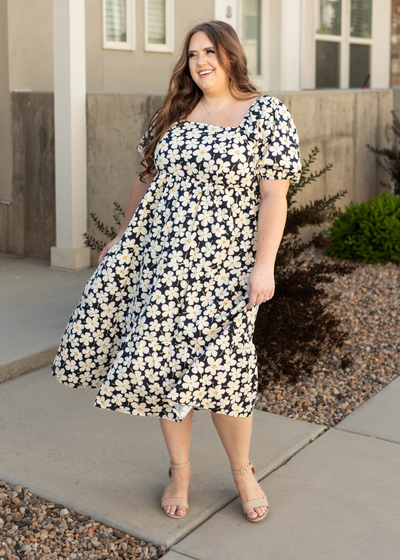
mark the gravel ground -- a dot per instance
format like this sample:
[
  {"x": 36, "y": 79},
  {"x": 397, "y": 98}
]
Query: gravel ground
[
  {"x": 31, "y": 527},
  {"x": 368, "y": 309}
]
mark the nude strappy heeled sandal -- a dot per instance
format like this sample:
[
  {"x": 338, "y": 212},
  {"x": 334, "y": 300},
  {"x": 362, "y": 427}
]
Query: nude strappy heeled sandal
[
  {"x": 252, "y": 503},
  {"x": 175, "y": 501}
]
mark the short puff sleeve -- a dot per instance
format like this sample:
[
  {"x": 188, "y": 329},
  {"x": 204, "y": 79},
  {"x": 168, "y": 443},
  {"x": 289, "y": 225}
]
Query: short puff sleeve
[{"x": 279, "y": 150}]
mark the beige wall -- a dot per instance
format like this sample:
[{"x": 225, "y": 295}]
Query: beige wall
[
  {"x": 5, "y": 117},
  {"x": 26, "y": 64},
  {"x": 26, "y": 60},
  {"x": 30, "y": 42},
  {"x": 137, "y": 71}
]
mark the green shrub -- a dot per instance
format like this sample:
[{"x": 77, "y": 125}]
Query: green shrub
[{"x": 367, "y": 232}]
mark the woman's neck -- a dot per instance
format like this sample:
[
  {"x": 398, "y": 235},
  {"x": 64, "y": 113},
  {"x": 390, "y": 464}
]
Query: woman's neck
[{"x": 218, "y": 100}]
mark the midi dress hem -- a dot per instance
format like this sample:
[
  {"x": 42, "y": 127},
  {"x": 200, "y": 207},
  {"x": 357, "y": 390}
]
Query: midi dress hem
[{"x": 178, "y": 413}]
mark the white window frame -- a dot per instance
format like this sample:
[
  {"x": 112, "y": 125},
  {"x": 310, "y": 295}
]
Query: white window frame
[
  {"x": 235, "y": 18},
  {"x": 130, "y": 43},
  {"x": 342, "y": 39},
  {"x": 169, "y": 29},
  {"x": 252, "y": 77},
  {"x": 379, "y": 45}
]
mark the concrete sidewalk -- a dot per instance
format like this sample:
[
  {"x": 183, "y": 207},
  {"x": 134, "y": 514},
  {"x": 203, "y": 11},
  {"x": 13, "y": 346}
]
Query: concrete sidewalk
[
  {"x": 113, "y": 466},
  {"x": 338, "y": 498},
  {"x": 36, "y": 303},
  {"x": 331, "y": 497}
]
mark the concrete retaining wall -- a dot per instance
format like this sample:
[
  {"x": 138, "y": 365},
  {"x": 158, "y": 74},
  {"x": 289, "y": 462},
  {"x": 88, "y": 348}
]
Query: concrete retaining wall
[
  {"x": 339, "y": 123},
  {"x": 28, "y": 223}
]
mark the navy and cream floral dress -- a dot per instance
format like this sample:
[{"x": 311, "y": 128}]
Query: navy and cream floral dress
[{"x": 162, "y": 324}]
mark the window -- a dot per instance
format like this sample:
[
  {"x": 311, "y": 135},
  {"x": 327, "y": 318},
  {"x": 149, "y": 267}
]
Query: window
[
  {"x": 245, "y": 17},
  {"x": 343, "y": 43},
  {"x": 328, "y": 43},
  {"x": 359, "y": 64},
  {"x": 119, "y": 24},
  {"x": 251, "y": 35},
  {"x": 328, "y": 54},
  {"x": 159, "y": 25},
  {"x": 360, "y": 42},
  {"x": 330, "y": 17}
]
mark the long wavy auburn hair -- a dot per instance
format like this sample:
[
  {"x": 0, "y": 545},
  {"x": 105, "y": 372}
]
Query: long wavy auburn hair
[{"x": 184, "y": 94}]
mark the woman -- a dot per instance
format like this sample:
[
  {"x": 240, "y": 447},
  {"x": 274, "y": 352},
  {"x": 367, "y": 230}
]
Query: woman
[{"x": 165, "y": 324}]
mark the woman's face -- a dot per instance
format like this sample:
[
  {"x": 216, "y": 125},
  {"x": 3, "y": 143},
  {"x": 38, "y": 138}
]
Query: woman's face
[{"x": 204, "y": 67}]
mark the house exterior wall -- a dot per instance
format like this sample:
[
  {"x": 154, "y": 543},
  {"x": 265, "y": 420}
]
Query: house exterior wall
[
  {"x": 5, "y": 118},
  {"x": 288, "y": 46},
  {"x": 26, "y": 61},
  {"x": 137, "y": 71},
  {"x": 30, "y": 40},
  {"x": 339, "y": 123},
  {"x": 30, "y": 44},
  {"x": 120, "y": 84},
  {"x": 29, "y": 220}
]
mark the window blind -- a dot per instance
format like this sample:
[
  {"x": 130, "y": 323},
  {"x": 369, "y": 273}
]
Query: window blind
[
  {"x": 156, "y": 22},
  {"x": 116, "y": 20},
  {"x": 361, "y": 15}
]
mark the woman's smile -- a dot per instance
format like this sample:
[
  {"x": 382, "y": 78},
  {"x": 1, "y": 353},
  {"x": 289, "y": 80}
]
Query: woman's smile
[{"x": 205, "y": 73}]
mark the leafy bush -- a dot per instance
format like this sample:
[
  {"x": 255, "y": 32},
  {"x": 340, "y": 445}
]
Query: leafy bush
[
  {"x": 109, "y": 232},
  {"x": 368, "y": 232},
  {"x": 296, "y": 326}
]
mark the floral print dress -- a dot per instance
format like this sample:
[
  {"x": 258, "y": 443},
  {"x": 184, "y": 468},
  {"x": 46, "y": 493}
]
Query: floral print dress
[{"x": 162, "y": 324}]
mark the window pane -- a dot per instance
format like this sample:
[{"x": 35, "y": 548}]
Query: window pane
[
  {"x": 361, "y": 15},
  {"x": 330, "y": 17},
  {"x": 252, "y": 35},
  {"x": 327, "y": 64},
  {"x": 359, "y": 65},
  {"x": 116, "y": 20},
  {"x": 156, "y": 22}
]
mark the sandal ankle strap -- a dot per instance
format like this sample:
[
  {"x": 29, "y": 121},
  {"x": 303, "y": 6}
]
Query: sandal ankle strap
[
  {"x": 179, "y": 465},
  {"x": 176, "y": 466},
  {"x": 244, "y": 470}
]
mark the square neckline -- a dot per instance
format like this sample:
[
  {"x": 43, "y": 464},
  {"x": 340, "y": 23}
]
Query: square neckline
[{"x": 230, "y": 127}]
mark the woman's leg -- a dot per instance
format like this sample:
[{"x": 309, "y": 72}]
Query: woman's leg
[
  {"x": 235, "y": 435},
  {"x": 177, "y": 438}
]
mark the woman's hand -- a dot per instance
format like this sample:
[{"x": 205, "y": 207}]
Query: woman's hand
[
  {"x": 260, "y": 284},
  {"x": 108, "y": 247}
]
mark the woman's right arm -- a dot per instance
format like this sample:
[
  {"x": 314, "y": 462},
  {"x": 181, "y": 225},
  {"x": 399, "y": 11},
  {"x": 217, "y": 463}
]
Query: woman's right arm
[{"x": 138, "y": 191}]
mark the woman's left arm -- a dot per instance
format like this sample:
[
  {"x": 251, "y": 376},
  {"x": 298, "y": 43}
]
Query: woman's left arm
[{"x": 270, "y": 226}]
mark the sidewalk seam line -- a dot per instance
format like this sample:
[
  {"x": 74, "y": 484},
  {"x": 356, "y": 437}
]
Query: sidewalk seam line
[
  {"x": 181, "y": 554},
  {"x": 366, "y": 435},
  {"x": 259, "y": 480}
]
